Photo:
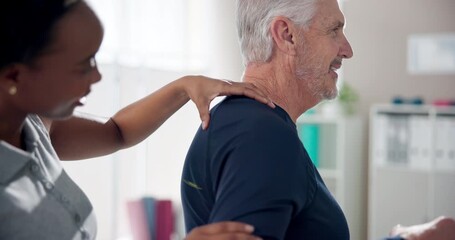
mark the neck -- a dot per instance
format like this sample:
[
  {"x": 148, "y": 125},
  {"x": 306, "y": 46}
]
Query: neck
[
  {"x": 280, "y": 86},
  {"x": 11, "y": 124}
]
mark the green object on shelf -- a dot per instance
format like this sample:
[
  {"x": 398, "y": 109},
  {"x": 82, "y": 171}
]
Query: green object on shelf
[
  {"x": 348, "y": 97},
  {"x": 309, "y": 135}
]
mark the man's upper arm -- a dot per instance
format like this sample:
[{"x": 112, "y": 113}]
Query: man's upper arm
[{"x": 263, "y": 182}]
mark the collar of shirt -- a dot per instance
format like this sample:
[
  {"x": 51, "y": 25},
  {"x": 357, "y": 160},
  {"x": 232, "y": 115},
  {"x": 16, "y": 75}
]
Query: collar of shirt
[{"x": 13, "y": 159}]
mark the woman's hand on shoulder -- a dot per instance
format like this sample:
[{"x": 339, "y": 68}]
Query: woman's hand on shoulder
[
  {"x": 223, "y": 231},
  {"x": 202, "y": 90}
]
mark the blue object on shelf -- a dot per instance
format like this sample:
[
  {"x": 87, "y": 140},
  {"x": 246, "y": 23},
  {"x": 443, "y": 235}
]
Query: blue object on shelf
[
  {"x": 397, "y": 100},
  {"x": 309, "y": 135},
  {"x": 414, "y": 101}
]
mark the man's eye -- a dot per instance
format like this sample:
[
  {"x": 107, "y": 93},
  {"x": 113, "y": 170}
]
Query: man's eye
[{"x": 334, "y": 31}]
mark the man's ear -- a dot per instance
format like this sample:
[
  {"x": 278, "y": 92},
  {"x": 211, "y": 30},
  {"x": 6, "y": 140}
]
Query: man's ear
[{"x": 283, "y": 34}]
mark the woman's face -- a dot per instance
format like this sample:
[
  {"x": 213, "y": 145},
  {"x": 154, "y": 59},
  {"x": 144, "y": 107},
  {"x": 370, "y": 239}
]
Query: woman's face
[{"x": 62, "y": 76}]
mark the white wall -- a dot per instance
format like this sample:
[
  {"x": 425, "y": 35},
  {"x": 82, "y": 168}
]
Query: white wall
[
  {"x": 226, "y": 61},
  {"x": 378, "y": 31}
]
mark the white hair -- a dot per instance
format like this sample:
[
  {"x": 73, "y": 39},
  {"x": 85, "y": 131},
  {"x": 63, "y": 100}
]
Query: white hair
[{"x": 253, "y": 24}]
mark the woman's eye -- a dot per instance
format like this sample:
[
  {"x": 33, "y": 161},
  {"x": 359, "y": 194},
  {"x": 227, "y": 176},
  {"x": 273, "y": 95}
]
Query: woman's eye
[
  {"x": 90, "y": 65},
  {"x": 92, "y": 62}
]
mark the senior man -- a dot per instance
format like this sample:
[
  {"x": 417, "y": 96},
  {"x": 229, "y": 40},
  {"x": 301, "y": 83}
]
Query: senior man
[{"x": 250, "y": 165}]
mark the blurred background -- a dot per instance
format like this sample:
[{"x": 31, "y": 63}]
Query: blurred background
[{"x": 404, "y": 53}]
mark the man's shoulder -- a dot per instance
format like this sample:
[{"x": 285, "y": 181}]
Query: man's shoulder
[
  {"x": 248, "y": 121},
  {"x": 240, "y": 104},
  {"x": 244, "y": 111}
]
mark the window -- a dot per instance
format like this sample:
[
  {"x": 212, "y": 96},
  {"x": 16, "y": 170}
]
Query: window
[{"x": 166, "y": 35}]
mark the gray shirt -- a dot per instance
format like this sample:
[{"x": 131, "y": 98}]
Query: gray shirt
[{"x": 38, "y": 200}]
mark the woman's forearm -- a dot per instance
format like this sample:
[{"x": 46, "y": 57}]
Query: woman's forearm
[{"x": 138, "y": 120}]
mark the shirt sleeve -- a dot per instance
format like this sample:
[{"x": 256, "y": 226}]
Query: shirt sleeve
[{"x": 264, "y": 181}]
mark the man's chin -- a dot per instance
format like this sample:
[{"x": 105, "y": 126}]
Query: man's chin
[{"x": 331, "y": 94}]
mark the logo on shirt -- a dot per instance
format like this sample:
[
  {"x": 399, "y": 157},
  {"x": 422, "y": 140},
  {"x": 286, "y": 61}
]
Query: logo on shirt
[{"x": 192, "y": 184}]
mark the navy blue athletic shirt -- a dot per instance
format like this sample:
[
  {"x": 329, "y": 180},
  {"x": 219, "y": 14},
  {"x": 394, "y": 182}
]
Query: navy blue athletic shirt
[{"x": 250, "y": 166}]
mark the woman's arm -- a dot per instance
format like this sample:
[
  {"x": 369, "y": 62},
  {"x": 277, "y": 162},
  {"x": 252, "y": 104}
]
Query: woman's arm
[{"x": 80, "y": 138}]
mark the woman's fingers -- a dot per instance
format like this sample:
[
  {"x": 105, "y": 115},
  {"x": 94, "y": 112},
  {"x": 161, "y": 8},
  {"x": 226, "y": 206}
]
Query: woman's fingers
[
  {"x": 223, "y": 231},
  {"x": 202, "y": 90},
  {"x": 225, "y": 227},
  {"x": 246, "y": 89},
  {"x": 204, "y": 112}
]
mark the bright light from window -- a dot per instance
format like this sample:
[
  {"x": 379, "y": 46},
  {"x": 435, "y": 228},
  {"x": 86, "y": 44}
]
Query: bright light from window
[{"x": 168, "y": 35}]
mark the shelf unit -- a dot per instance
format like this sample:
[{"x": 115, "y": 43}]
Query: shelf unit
[
  {"x": 411, "y": 166},
  {"x": 340, "y": 145}
]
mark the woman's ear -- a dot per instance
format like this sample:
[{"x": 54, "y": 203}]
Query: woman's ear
[
  {"x": 11, "y": 72},
  {"x": 283, "y": 34},
  {"x": 10, "y": 77}
]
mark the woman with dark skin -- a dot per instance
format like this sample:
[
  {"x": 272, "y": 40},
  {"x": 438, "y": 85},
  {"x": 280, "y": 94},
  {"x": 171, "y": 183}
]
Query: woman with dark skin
[{"x": 47, "y": 67}]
